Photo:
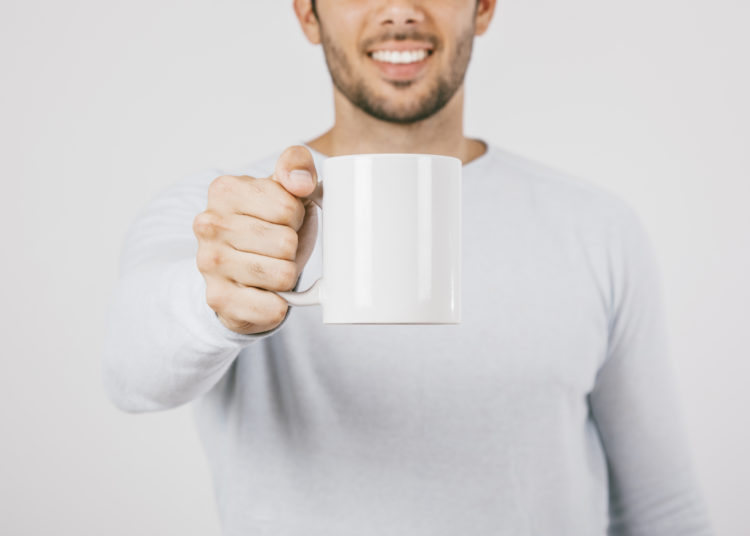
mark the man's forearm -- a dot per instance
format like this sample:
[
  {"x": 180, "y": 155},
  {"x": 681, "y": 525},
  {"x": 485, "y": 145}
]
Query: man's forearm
[{"x": 164, "y": 345}]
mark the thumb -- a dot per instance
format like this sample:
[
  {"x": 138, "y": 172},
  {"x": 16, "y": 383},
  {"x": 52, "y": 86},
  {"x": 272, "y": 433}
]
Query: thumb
[{"x": 295, "y": 171}]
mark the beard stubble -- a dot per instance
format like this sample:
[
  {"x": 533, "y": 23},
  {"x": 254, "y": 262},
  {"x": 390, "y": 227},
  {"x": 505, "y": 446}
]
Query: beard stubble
[{"x": 356, "y": 90}]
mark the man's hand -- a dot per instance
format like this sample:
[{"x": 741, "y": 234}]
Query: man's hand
[{"x": 256, "y": 236}]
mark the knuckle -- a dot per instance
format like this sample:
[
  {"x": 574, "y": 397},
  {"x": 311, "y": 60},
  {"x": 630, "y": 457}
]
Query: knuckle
[
  {"x": 288, "y": 243},
  {"x": 208, "y": 259},
  {"x": 206, "y": 225},
  {"x": 286, "y": 275},
  {"x": 278, "y": 310},
  {"x": 258, "y": 186},
  {"x": 285, "y": 206},
  {"x": 257, "y": 268},
  {"x": 259, "y": 228},
  {"x": 291, "y": 210},
  {"x": 216, "y": 298},
  {"x": 221, "y": 185},
  {"x": 201, "y": 259}
]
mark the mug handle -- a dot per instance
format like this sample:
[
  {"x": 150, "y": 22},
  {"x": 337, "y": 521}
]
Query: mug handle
[{"x": 311, "y": 296}]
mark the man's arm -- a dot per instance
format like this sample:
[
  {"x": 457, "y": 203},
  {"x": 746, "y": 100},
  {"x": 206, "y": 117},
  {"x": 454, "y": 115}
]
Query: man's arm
[
  {"x": 164, "y": 345},
  {"x": 199, "y": 275},
  {"x": 653, "y": 489}
]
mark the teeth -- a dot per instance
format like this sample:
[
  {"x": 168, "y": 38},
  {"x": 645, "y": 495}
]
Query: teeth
[{"x": 394, "y": 56}]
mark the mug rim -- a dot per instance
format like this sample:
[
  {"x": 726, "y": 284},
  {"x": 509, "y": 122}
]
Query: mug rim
[{"x": 391, "y": 155}]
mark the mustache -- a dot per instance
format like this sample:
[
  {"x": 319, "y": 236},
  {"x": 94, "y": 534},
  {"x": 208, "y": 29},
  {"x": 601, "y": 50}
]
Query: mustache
[{"x": 401, "y": 35}]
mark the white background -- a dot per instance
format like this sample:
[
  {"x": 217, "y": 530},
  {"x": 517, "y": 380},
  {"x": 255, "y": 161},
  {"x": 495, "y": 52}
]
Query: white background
[{"x": 103, "y": 104}]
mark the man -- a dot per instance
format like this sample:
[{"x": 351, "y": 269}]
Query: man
[{"x": 549, "y": 410}]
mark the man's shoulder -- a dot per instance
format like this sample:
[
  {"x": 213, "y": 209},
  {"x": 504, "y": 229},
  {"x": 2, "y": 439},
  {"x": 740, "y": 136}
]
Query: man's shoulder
[{"x": 552, "y": 188}]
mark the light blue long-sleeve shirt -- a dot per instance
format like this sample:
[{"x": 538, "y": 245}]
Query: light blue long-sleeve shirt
[{"x": 550, "y": 409}]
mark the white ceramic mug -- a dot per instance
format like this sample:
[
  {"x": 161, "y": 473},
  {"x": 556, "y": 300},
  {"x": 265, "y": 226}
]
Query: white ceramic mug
[{"x": 391, "y": 240}]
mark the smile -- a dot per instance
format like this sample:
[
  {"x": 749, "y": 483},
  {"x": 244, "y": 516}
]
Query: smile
[{"x": 400, "y": 56}]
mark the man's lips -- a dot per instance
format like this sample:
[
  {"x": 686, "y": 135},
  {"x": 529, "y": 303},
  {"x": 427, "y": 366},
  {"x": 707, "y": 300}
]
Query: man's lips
[
  {"x": 401, "y": 60},
  {"x": 401, "y": 45}
]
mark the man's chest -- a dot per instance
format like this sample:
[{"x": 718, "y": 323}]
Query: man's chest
[{"x": 534, "y": 327}]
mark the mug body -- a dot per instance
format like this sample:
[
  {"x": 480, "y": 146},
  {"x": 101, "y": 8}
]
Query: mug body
[{"x": 391, "y": 239}]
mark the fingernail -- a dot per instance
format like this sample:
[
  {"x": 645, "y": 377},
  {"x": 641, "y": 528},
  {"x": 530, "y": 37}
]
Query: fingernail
[{"x": 301, "y": 177}]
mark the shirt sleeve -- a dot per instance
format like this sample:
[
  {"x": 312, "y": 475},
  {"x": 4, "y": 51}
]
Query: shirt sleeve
[
  {"x": 635, "y": 404},
  {"x": 164, "y": 346}
]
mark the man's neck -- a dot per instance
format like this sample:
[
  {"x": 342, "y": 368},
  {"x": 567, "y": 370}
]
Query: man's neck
[{"x": 355, "y": 132}]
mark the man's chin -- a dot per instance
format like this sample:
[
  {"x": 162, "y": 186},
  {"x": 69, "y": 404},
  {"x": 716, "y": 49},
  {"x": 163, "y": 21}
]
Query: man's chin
[
  {"x": 398, "y": 101},
  {"x": 403, "y": 110},
  {"x": 392, "y": 83},
  {"x": 398, "y": 115},
  {"x": 401, "y": 105}
]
